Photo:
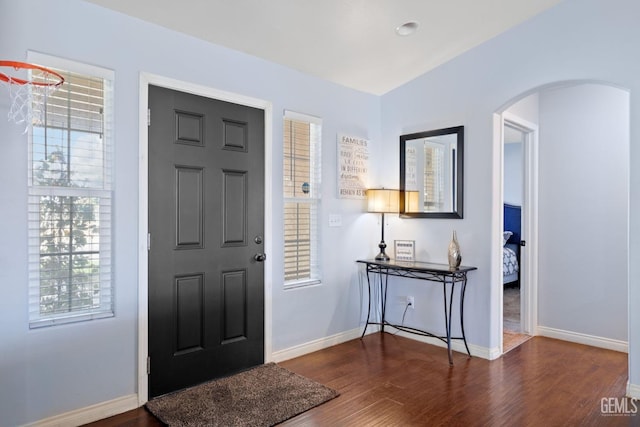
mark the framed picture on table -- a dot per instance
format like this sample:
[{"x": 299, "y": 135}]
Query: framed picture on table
[{"x": 405, "y": 250}]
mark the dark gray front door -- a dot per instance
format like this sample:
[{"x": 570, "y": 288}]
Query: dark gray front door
[{"x": 206, "y": 221}]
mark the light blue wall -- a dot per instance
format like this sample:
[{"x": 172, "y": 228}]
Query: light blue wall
[
  {"x": 513, "y": 169},
  {"x": 583, "y": 210},
  {"x": 55, "y": 370},
  {"x": 578, "y": 40},
  {"x": 526, "y": 109}
]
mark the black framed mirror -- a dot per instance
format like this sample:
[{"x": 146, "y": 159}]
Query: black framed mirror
[{"x": 431, "y": 173}]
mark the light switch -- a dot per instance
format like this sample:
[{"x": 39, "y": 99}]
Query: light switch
[{"x": 335, "y": 220}]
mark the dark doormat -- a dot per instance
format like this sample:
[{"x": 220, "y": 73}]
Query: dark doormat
[{"x": 262, "y": 396}]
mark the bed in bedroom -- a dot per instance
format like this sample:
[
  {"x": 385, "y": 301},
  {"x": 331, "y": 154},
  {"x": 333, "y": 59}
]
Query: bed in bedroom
[{"x": 511, "y": 245}]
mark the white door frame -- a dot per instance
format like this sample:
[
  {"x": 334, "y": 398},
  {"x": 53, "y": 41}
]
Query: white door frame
[
  {"x": 147, "y": 79},
  {"x": 529, "y": 264}
]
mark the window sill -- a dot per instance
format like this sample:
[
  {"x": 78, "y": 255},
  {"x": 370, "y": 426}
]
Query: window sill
[
  {"x": 301, "y": 284},
  {"x": 63, "y": 320}
]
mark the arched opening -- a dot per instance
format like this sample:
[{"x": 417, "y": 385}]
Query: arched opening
[{"x": 575, "y": 202}]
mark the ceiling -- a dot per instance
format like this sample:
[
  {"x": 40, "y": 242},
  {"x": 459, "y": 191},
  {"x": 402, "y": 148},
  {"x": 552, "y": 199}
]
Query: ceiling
[{"x": 349, "y": 42}]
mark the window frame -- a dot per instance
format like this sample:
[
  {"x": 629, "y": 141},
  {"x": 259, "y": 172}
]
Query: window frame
[
  {"x": 102, "y": 209},
  {"x": 314, "y": 200}
]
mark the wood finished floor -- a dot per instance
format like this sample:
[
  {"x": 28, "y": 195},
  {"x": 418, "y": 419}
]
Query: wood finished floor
[
  {"x": 386, "y": 380},
  {"x": 511, "y": 340}
]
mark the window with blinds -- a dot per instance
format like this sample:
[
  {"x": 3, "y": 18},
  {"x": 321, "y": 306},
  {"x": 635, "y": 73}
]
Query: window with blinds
[
  {"x": 70, "y": 198},
  {"x": 302, "y": 135}
]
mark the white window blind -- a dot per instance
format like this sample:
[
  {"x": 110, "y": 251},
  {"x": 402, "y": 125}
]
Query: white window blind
[
  {"x": 433, "y": 184},
  {"x": 302, "y": 136},
  {"x": 70, "y": 193}
]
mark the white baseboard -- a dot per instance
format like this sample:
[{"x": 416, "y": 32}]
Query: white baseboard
[
  {"x": 585, "y": 339},
  {"x": 319, "y": 344},
  {"x": 494, "y": 353},
  {"x": 90, "y": 414},
  {"x": 315, "y": 345},
  {"x": 633, "y": 391},
  {"x": 456, "y": 345}
]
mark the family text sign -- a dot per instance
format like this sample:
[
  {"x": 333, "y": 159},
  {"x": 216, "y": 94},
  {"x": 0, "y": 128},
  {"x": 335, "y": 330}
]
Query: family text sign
[{"x": 353, "y": 167}]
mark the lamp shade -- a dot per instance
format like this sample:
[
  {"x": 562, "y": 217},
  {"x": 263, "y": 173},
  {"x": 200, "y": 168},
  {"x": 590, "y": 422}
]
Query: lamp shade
[
  {"x": 411, "y": 201},
  {"x": 383, "y": 200}
]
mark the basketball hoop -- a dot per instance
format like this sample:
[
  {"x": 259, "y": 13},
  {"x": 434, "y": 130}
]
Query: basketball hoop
[{"x": 28, "y": 95}]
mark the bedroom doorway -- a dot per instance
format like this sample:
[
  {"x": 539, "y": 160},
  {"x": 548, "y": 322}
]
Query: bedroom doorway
[{"x": 519, "y": 210}]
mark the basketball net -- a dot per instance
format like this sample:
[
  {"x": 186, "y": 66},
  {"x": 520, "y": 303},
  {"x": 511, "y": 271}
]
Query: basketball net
[{"x": 29, "y": 96}]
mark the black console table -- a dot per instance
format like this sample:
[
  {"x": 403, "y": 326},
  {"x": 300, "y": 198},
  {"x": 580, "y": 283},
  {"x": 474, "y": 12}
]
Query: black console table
[{"x": 439, "y": 273}]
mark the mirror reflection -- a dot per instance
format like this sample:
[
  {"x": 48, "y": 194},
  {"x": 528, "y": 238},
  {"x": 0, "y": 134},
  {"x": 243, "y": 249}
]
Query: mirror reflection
[{"x": 431, "y": 173}]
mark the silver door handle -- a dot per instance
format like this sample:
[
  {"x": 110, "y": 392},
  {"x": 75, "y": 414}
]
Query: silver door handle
[{"x": 260, "y": 257}]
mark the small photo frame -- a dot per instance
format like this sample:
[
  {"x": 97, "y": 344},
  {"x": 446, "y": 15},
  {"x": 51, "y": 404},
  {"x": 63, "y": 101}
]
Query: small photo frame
[{"x": 405, "y": 250}]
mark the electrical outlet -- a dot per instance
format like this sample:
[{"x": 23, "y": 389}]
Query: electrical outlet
[{"x": 411, "y": 302}]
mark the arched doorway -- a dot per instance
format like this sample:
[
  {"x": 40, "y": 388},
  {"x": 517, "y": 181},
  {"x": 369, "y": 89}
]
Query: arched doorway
[{"x": 576, "y": 260}]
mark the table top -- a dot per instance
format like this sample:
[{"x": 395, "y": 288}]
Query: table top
[{"x": 429, "y": 267}]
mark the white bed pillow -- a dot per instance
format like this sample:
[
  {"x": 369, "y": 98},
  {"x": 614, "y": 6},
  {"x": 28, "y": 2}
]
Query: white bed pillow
[{"x": 505, "y": 236}]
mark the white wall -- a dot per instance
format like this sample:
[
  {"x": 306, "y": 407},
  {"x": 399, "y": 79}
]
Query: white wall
[
  {"x": 583, "y": 210},
  {"x": 581, "y": 40},
  {"x": 58, "y": 369}
]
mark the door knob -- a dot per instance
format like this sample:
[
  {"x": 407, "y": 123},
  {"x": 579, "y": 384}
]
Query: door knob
[{"x": 260, "y": 257}]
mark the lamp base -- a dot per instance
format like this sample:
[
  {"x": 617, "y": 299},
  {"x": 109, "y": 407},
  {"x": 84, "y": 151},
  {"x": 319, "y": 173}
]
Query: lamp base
[{"x": 382, "y": 256}]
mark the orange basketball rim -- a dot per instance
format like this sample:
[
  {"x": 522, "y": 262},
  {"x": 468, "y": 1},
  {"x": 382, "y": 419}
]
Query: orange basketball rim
[{"x": 23, "y": 65}]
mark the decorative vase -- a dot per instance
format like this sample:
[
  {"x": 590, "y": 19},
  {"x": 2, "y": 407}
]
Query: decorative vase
[{"x": 454, "y": 252}]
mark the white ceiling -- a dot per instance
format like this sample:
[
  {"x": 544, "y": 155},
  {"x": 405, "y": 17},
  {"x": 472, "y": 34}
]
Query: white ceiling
[{"x": 350, "y": 42}]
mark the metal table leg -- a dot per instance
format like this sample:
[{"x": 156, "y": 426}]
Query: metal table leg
[
  {"x": 447, "y": 316},
  {"x": 462, "y": 290},
  {"x": 383, "y": 297},
  {"x": 366, "y": 325}
]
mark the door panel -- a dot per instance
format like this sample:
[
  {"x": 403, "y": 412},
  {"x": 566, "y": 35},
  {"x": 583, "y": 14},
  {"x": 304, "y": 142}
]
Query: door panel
[
  {"x": 189, "y": 207},
  {"x": 234, "y": 286},
  {"x": 234, "y": 207},
  {"x": 206, "y": 205},
  {"x": 189, "y": 317}
]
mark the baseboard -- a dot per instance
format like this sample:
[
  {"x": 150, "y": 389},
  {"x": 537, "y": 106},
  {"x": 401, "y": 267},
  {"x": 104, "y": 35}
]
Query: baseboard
[
  {"x": 90, "y": 414},
  {"x": 633, "y": 391},
  {"x": 315, "y": 345},
  {"x": 494, "y": 353},
  {"x": 594, "y": 341},
  {"x": 456, "y": 345},
  {"x": 319, "y": 344}
]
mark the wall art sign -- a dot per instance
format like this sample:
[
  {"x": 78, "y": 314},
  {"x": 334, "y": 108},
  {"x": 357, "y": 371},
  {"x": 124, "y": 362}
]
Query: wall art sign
[{"x": 353, "y": 167}]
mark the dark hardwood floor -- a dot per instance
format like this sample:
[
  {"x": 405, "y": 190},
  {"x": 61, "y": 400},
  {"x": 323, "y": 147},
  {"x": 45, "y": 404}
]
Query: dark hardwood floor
[{"x": 388, "y": 380}]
